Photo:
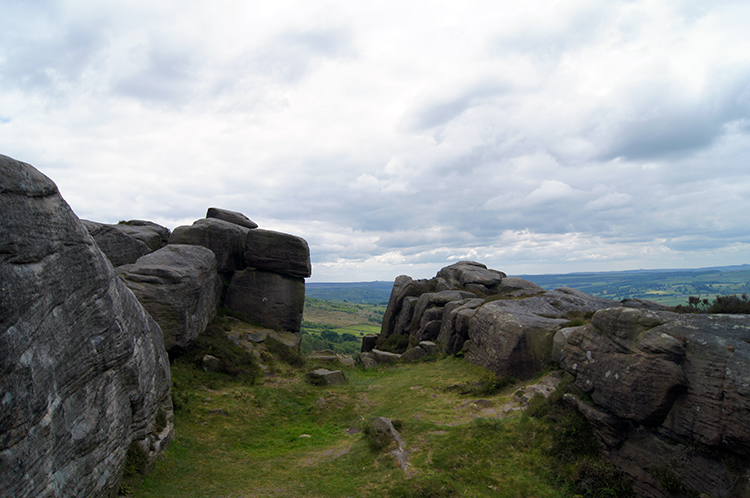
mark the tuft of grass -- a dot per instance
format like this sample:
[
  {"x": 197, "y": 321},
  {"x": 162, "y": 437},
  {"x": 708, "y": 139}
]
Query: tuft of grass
[
  {"x": 284, "y": 352},
  {"x": 234, "y": 360}
]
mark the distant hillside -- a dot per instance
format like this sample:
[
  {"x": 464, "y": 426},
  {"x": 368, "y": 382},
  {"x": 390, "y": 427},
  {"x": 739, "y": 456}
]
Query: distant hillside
[
  {"x": 665, "y": 286},
  {"x": 352, "y": 292}
]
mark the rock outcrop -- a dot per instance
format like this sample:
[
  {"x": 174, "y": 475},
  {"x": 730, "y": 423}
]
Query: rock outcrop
[
  {"x": 83, "y": 372},
  {"x": 153, "y": 235},
  {"x": 672, "y": 394},
  {"x": 505, "y": 324},
  {"x": 180, "y": 287}
]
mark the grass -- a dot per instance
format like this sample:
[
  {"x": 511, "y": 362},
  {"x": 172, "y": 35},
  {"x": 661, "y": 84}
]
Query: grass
[{"x": 281, "y": 436}]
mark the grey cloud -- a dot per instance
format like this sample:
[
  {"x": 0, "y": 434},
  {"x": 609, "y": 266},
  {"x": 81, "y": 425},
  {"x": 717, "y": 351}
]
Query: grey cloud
[
  {"x": 664, "y": 121},
  {"x": 289, "y": 55},
  {"x": 162, "y": 74},
  {"x": 567, "y": 27},
  {"x": 44, "y": 60},
  {"x": 441, "y": 111}
]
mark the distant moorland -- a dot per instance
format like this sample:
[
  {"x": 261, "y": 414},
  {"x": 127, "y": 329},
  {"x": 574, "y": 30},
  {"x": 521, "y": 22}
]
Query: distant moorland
[{"x": 669, "y": 287}]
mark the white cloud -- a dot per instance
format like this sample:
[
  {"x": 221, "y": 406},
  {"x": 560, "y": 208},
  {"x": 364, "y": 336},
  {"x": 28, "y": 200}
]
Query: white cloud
[{"x": 396, "y": 137}]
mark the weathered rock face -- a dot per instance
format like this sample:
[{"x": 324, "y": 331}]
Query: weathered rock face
[
  {"x": 231, "y": 217},
  {"x": 673, "y": 394},
  {"x": 472, "y": 308},
  {"x": 274, "y": 301},
  {"x": 514, "y": 337},
  {"x": 119, "y": 247},
  {"x": 277, "y": 252},
  {"x": 225, "y": 239},
  {"x": 83, "y": 370},
  {"x": 180, "y": 288}
]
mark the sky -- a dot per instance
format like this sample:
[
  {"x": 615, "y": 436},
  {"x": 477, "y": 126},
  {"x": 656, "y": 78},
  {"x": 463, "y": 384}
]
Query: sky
[{"x": 398, "y": 137}]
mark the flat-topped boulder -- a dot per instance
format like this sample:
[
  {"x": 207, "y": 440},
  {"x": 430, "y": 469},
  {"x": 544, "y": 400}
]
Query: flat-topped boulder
[
  {"x": 180, "y": 287},
  {"x": 277, "y": 252},
  {"x": 85, "y": 376},
  {"x": 470, "y": 272}
]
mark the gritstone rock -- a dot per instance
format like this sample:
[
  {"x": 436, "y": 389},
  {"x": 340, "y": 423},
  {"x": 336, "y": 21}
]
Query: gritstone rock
[
  {"x": 153, "y": 235},
  {"x": 83, "y": 370},
  {"x": 231, "y": 216},
  {"x": 274, "y": 301},
  {"x": 278, "y": 252},
  {"x": 226, "y": 240},
  {"x": 322, "y": 376},
  {"x": 665, "y": 383},
  {"x": 119, "y": 247},
  {"x": 180, "y": 288}
]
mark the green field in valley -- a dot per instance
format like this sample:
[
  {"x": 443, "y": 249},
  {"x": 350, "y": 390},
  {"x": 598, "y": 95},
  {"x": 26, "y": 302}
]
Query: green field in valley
[{"x": 338, "y": 325}]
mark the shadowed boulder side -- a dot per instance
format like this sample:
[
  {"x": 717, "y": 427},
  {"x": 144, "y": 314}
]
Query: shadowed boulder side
[{"x": 83, "y": 371}]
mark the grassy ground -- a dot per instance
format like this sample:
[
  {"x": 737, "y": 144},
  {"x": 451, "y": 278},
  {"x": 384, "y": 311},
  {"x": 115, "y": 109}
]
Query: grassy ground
[{"x": 283, "y": 437}]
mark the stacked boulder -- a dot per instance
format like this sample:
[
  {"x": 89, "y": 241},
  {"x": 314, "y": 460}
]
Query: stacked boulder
[
  {"x": 182, "y": 277},
  {"x": 263, "y": 271},
  {"x": 84, "y": 375},
  {"x": 505, "y": 324}
]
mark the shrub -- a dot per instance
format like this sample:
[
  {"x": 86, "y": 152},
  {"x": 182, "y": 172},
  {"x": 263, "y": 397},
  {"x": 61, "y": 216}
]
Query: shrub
[
  {"x": 284, "y": 352},
  {"x": 732, "y": 304}
]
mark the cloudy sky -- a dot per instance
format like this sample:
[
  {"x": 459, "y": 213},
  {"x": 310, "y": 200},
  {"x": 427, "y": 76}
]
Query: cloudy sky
[{"x": 397, "y": 137}]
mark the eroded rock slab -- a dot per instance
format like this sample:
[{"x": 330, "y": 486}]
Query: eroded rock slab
[
  {"x": 231, "y": 217},
  {"x": 673, "y": 396}
]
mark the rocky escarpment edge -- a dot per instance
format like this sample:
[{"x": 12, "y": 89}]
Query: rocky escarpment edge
[{"x": 669, "y": 396}]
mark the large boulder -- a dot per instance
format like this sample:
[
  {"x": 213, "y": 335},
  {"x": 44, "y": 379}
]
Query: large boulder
[
  {"x": 277, "y": 252},
  {"x": 181, "y": 288},
  {"x": 225, "y": 239},
  {"x": 231, "y": 217},
  {"x": 153, "y": 235},
  {"x": 83, "y": 371},
  {"x": 118, "y": 246},
  {"x": 672, "y": 394},
  {"x": 270, "y": 299},
  {"x": 514, "y": 337}
]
